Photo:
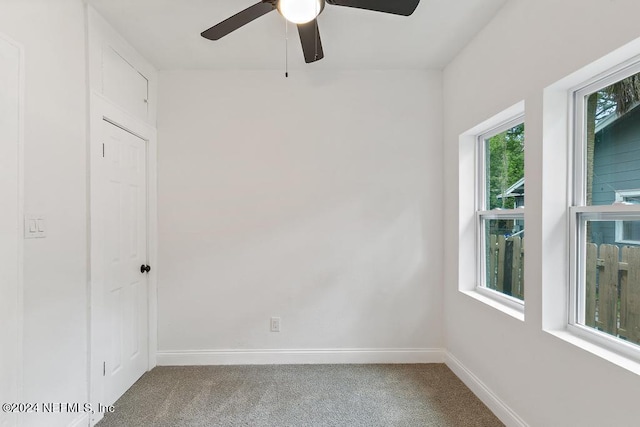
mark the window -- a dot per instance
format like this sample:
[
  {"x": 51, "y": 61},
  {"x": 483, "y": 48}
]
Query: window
[
  {"x": 605, "y": 297},
  {"x": 500, "y": 203},
  {"x": 628, "y": 231}
]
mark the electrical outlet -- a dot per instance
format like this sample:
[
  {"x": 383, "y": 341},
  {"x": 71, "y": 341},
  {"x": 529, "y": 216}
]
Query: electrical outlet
[{"x": 275, "y": 324}]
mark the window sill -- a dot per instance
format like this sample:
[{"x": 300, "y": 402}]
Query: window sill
[
  {"x": 597, "y": 350},
  {"x": 498, "y": 302},
  {"x": 629, "y": 242}
]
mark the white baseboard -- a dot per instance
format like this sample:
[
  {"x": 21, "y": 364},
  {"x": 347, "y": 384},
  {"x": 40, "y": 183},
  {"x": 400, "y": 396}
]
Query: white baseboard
[
  {"x": 312, "y": 356},
  {"x": 488, "y": 397},
  {"x": 96, "y": 419},
  {"x": 81, "y": 421}
]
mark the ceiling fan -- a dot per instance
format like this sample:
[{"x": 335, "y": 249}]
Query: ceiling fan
[{"x": 304, "y": 13}]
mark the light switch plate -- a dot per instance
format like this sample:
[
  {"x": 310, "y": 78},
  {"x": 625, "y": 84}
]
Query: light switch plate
[{"x": 35, "y": 227}]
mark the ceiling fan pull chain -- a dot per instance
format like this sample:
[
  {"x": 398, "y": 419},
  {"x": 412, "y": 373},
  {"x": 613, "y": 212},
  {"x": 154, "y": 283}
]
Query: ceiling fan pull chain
[
  {"x": 315, "y": 25},
  {"x": 286, "y": 48}
]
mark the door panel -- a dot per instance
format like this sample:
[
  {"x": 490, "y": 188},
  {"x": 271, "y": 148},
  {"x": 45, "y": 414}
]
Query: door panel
[{"x": 125, "y": 247}]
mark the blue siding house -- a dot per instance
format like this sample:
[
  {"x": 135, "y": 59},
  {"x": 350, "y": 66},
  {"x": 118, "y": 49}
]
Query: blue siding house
[{"x": 616, "y": 175}]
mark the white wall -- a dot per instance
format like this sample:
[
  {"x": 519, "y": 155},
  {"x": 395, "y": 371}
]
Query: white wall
[
  {"x": 10, "y": 224},
  {"x": 55, "y": 268},
  {"x": 528, "y": 46},
  {"x": 314, "y": 198}
]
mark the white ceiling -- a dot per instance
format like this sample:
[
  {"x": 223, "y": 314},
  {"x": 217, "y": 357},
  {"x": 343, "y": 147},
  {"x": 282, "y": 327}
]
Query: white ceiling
[{"x": 167, "y": 33}]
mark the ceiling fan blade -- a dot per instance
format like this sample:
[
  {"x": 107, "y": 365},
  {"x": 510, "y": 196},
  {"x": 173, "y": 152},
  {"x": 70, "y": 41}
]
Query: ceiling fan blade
[
  {"x": 238, "y": 20},
  {"x": 311, "y": 43},
  {"x": 396, "y": 7}
]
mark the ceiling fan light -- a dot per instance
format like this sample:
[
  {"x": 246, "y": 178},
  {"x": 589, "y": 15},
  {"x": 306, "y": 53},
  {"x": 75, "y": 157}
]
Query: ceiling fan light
[{"x": 300, "y": 11}]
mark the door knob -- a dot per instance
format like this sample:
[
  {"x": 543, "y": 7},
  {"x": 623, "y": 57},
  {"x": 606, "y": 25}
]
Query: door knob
[{"x": 145, "y": 268}]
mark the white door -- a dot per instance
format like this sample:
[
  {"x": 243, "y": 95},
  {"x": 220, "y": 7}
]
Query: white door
[
  {"x": 9, "y": 229},
  {"x": 125, "y": 296}
]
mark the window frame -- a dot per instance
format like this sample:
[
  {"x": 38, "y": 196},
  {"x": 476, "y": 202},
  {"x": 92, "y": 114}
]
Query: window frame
[
  {"x": 482, "y": 213},
  {"x": 580, "y": 213}
]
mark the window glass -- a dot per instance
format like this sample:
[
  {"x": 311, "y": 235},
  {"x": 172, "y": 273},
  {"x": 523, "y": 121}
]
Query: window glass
[
  {"x": 504, "y": 169},
  {"x": 612, "y": 140},
  {"x": 630, "y": 231},
  {"x": 501, "y": 209},
  {"x": 612, "y": 284},
  {"x": 607, "y": 211},
  {"x": 504, "y": 262}
]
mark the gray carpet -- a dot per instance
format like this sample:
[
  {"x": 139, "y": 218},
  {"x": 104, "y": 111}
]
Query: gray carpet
[{"x": 300, "y": 395}]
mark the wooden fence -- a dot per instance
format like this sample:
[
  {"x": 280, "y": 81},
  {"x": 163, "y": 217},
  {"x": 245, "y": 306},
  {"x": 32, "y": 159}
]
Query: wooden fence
[
  {"x": 612, "y": 282},
  {"x": 613, "y": 290},
  {"x": 505, "y": 266}
]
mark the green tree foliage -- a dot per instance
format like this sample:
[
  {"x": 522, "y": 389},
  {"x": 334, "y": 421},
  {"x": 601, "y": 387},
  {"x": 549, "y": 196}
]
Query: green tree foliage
[
  {"x": 618, "y": 98},
  {"x": 505, "y": 165}
]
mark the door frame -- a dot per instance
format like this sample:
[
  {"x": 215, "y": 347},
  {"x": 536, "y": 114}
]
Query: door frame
[
  {"x": 101, "y": 109},
  {"x": 17, "y": 152}
]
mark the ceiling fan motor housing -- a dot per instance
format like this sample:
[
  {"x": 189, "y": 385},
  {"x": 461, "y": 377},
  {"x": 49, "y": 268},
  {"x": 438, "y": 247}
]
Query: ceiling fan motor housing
[{"x": 288, "y": 7}]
